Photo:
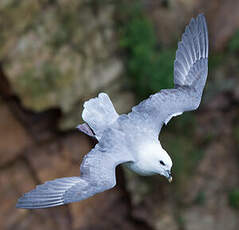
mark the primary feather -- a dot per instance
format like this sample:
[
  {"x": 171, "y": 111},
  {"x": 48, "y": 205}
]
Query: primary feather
[
  {"x": 97, "y": 175},
  {"x": 190, "y": 73}
]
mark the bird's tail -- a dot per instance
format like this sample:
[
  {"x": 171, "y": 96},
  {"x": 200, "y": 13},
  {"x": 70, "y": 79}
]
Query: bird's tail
[{"x": 99, "y": 113}]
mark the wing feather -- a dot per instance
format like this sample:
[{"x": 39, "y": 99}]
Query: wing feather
[
  {"x": 97, "y": 175},
  {"x": 190, "y": 73}
]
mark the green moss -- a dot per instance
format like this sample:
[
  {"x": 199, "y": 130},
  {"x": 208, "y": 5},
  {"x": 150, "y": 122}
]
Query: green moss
[
  {"x": 180, "y": 142},
  {"x": 14, "y": 4},
  {"x": 234, "y": 43},
  {"x": 64, "y": 34},
  {"x": 180, "y": 220},
  {"x": 236, "y": 133},
  {"x": 215, "y": 60},
  {"x": 59, "y": 38},
  {"x": 200, "y": 198},
  {"x": 208, "y": 137},
  {"x": 234, "y": 198},
  {"x": 162, "y": 75},
  {"x": 39, "y": 85},
  {"x": 149, "y": 68},
  {"x": 185, "y": 154},
  {"x": 183, "y": 124}
]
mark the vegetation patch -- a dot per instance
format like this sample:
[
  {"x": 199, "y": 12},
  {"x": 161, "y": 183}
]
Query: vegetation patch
[
  {"x": 149, "y": 66},
  {"x": 200, "y": 198},
  {"x": 234, "y": 198},
  {"x": 234, "y": 43}
]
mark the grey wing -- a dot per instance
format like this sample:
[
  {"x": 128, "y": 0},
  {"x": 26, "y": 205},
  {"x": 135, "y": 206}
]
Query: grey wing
[
  {"x": 192, "y": 50},
  {"x": 190, "y": 73},
  {"x": 97, "y": 175}
]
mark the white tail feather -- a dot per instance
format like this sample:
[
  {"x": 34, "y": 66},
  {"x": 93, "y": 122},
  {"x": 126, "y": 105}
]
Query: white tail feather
[{"x": 99, "y": 113}]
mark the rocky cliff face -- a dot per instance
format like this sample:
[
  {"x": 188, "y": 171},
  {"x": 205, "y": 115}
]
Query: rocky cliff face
[
  {"x": 56, "y": 54},
  {"x": 61, "y": 54}
]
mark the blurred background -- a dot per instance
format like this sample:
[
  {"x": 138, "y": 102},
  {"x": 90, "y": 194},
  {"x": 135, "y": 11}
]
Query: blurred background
[{"x": 55, "y": 54}]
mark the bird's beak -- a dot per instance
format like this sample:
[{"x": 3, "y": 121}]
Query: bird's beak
[{"x": 170, "y": 178}]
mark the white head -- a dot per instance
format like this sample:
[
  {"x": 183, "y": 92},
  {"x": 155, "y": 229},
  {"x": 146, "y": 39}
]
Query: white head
[{"x": 154, "y": 160}]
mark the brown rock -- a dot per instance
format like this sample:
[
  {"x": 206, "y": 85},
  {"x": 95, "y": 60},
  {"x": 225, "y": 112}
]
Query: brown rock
[
  {"x": 223, "y": 20},
  {"x": 65, "y": 54},
  {"x": 107, "y": 210},
  {"x": 59, "y": 158},
  {"x": 49, "y": 164},
  {"x": 14, "y": 138},
  {"x": 14, "y": 181},
  {"x": 222, "y": 218},
  {"x": 214, "y": 178},
  {"x": 74, "y": 146},
  {"x": 91, "y": 212}
]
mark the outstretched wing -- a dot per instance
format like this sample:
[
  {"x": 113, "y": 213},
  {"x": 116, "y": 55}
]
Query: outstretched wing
[
  {"x": 97, "y": 175},
  {"x": 190, "y": 73}
]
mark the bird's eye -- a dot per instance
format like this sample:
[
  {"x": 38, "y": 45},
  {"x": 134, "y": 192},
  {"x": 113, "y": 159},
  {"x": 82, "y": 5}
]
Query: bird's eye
[{"x": 162, "y": 163}]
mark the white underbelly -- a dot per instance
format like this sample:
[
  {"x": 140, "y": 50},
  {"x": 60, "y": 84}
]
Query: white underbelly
[{"x": 139, "y": 169}]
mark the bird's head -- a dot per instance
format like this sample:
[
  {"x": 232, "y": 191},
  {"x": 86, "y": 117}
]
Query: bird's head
[
  {"x": 158, "y": 161},
  {"x": 165, "y": 164}
]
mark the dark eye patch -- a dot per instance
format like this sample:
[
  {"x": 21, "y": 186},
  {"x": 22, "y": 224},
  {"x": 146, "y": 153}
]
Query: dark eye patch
[{"x": 162, "y": 163}]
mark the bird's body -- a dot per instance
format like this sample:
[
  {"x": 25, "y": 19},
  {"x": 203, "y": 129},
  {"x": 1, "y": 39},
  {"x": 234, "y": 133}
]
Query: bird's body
[{"x": 131, "y": 139}]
